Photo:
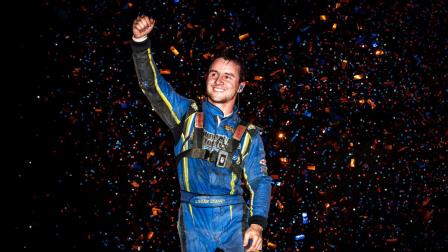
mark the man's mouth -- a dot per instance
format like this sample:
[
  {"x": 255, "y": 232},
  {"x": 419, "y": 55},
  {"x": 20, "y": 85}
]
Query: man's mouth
[{"x": 218, "y": 89}]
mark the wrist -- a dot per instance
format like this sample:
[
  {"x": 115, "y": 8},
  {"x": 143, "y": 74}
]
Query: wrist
[
  {"x": 256, "y": 227},
  {"x": 140, "y": 39}
]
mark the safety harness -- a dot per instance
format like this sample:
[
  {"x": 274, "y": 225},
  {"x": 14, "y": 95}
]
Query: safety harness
[{"x": 222, "y": 158}]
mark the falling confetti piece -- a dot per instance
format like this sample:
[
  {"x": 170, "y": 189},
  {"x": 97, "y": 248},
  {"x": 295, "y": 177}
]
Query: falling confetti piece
[
  {"x": 165, "y": 71},
  {"x": 174, "y": 50},
  {"x": 311, "y": 167},
  {"x": 272, "y": 245},
  {"x": 352, "y": 163},
  {"x": 135, "y": 184},
  {"x": 371, "y": 103},
  {"x": 150, "y": 235},
  {"x": 334, "y": 26},
  {"x": 379, "y": 52},
  {"x": 244, "y": 36}
]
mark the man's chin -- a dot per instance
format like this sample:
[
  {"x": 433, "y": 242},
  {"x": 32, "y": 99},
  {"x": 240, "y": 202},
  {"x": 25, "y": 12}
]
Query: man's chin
[{"x": 217, "y": 99}]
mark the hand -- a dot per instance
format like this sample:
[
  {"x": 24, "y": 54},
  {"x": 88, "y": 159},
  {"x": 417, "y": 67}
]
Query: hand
[
  {"x": 142, "y": 26},
  {"x": 254, "y": 233}
]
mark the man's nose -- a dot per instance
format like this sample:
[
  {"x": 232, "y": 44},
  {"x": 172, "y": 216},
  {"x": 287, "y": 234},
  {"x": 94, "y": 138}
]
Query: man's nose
[{"x": 219, "y": 79}]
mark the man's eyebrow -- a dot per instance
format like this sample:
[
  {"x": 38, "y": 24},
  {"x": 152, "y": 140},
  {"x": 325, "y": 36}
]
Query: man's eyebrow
[
  {"x": 231, "y": 74},
  {"x": 226, "y": 73}
]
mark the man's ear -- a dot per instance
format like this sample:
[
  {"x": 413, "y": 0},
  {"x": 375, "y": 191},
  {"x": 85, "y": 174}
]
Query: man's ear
[{"x": 241, "y": 87}]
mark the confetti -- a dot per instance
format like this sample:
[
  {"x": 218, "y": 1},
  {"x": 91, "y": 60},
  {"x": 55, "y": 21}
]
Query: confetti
[
  {"x": 174, "y": 50},
  {"x": 357, "y": 91}
]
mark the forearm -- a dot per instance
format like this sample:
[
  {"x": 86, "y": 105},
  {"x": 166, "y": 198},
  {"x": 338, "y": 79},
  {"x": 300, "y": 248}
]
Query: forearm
[
  {"x": 169, "y": 105},
  {"x": 260, "y": 202}
]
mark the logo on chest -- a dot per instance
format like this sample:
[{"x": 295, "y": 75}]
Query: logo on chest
[{"x": 214, "y": 142}]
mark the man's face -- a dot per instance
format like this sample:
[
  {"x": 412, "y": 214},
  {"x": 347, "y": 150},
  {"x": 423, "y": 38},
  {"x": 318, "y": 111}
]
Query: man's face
[{"x": 223, "y": 81}]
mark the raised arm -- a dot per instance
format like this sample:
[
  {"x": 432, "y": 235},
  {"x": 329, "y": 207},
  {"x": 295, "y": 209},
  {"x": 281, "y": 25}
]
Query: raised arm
[{"x": 168, "y": 104}]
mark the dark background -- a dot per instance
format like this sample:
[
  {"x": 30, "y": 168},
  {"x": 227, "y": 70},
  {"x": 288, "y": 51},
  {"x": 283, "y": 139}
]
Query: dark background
[{"x": 93, "y": 166}]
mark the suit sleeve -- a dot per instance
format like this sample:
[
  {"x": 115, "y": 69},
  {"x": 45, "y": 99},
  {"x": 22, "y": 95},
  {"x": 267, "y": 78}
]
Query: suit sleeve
[
  {"x": 168, "y": 104},
  {"x": 258, "y": 181}
]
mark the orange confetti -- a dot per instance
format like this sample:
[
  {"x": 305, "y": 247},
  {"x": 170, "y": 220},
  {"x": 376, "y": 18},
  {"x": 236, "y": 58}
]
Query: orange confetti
[
  {"x": 206, "y": 56},
  {"x": 306, "y": 70},
  {"x": 358, "y": 76},
  {"x": 371, "y": 103},
  {"x": 388, "y": 147},
  {"x": 272, "y": 245},
  {"x": 258, "y": 78},
  {"x": 274, "y": 177},
  {"x": 361, "y": 101},
  {"x": 311, "y": 167},
  {"x": 379, "y": 52},
  {"x": 352, "y": 163},
  {"x": 149, "y": 235},
  {"x": 244, "y": 36},
  {"x": 190, "y": 26},
  {"x": 334, "y": 26},
  {"x": 327, "y": 205},
  {"x": 165, "y": 71},
  {"x": 156, "y": 211},
  {"x": 281, "y": 135},
  {"x": 279, "y": 204},
  {"x": 323, "y": 17},
  {"x": 174, "y": 50},
  {"x": 135, "y": 184},
  {"x": 98, "y": 110},
  {"x": 284, "y": 160},
  {"x": 150, "y": 154},
  {"x": 337, "y": 6}
]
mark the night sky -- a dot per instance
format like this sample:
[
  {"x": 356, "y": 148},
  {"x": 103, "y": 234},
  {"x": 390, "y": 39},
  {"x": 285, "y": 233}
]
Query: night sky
[{"x": 351, "y": 97}]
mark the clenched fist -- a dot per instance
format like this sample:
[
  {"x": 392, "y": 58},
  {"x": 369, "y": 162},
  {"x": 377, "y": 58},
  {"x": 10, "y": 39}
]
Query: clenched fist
[{"x": 142, "y": 26}]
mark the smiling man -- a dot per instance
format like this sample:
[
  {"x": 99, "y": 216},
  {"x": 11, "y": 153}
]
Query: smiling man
[{"x": 215, "y": 151}]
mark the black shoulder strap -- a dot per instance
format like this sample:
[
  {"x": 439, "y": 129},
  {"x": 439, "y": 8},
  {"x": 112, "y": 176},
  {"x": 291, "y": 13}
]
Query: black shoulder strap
[{"x": 179, "y": 128}]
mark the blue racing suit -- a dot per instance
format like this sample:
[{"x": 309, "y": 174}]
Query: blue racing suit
[{"x": 212, "y": 213}]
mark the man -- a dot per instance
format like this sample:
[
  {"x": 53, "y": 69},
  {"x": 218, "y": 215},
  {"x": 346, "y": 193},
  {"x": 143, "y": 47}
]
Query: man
[{"x": 214, "y": 150}]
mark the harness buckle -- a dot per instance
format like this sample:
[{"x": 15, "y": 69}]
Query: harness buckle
[{"x": 222, "y": 158}]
